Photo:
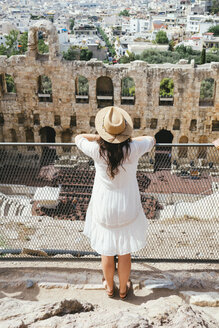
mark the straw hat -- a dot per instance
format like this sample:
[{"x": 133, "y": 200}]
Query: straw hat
[{"x": 113, "y": 124}]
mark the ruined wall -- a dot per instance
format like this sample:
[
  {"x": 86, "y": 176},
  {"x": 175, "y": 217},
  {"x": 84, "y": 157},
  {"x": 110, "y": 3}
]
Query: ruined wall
[{"x": 23, "y": 115}]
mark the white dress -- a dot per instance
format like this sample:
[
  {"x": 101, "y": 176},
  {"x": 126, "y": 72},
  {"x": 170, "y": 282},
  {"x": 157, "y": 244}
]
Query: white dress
[{"x": 115, "y": 221}]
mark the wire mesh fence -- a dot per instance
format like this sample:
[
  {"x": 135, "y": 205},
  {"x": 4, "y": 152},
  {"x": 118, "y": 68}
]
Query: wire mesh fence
[{"x": 45, "y": 190}]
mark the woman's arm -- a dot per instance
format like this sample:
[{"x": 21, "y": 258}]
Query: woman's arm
[
  {"x": 142, "y": 138},
  {"x": 216, "y": 143},
  {"x": 90, "y": 137}
]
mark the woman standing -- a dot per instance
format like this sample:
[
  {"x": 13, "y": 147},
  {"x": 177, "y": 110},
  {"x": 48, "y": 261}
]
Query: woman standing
[{"x": 115, "y": 220}]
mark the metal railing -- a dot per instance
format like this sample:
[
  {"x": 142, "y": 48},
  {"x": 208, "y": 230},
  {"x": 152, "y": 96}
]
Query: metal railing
[{"x": 45, "y": 191}]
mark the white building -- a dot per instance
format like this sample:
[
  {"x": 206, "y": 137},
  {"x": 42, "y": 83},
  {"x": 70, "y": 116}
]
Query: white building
[{"x": 200, "y": 23}]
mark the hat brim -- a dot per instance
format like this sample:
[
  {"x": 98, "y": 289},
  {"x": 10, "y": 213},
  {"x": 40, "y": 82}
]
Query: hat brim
[{"x": 110, "y": 137}]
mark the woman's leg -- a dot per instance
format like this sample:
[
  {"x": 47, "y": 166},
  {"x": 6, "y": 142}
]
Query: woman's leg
[
  {"x": 108, "y": 266},
  {"x": 124, "y": 269}
]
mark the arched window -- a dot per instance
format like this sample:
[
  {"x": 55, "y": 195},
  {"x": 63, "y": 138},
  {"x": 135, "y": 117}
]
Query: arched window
[
  {"x": 42, "y": 44},
  {"x": 193, "y": 125},
  {"x": 183, "y": 151},
  {"x": 207, "y": 92},
  {"x": 166, "y": 92},
  {"x": 47, "y": 134},
  {"x": 176, "y": 125},
  {"x": 128, "y": 91},
  {"x": 44, "y": 89},
  {"x": 82, "y": 90},
  {"x": 202, "y": 151},
  {"x": 10, "y": 84},
  {"x": 104, "y": 91}
]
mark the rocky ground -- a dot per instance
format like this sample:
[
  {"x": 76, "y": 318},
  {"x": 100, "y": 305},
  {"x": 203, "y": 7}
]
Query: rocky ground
[{"x": 69, "y": 294}]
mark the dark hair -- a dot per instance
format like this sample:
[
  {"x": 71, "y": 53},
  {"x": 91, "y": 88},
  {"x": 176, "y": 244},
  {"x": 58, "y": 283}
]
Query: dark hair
[{"x": 114, "y": 154}]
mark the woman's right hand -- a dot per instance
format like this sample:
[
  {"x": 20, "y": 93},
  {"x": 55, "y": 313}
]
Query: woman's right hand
[{"x": 216, "y": 143}]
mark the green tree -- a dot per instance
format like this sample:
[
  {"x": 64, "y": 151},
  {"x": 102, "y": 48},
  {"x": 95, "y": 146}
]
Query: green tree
[
  {"x": 215, "y": 6},
  {"x": 166, "y": 87},
  {"x": 11, "y": 43},
  {"x": 207, "y": 89},
  {"x": 23, "y": 42},
  {"x": 203, "y": 56},
  {"x": 71, "y": 54},
  {"x": 72, "y": 24},
  {"x": 161, "y": 38},
  {"x": 45, "y": 86},
  {"x": 86, "y": 54},
  {"x": 106, "y": 40},
  {"x": 42, "y": 47},
  {"x": 214, "y": 29},
  {"x": 10, "y": 83},
  {"x": 128, "y": 86},
  {"x": 124, "y": 12},
  {"x": 83, "y": 85},
  {"x": 3, "y": 50}
]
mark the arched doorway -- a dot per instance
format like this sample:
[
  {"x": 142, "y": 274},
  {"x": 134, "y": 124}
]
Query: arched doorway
[
  {"x": 104, "y": 91},
  {"x": 163, "y": 154},
  {"x": 48, "y": 135}
]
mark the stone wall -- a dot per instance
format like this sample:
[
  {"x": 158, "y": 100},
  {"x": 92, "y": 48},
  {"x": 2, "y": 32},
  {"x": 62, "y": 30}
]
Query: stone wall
[{"x": 75, "y": 116}]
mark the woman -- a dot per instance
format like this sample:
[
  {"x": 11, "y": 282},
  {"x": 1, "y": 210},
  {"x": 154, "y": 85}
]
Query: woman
[{"x": 115, "y": 221}]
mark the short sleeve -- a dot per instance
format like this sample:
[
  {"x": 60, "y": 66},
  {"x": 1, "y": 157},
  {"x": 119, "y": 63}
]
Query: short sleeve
[
  {"x": 89, "y": 148},
  {"x": 145, "y": 145}
]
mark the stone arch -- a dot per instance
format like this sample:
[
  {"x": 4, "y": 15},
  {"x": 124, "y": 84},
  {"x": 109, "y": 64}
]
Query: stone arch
[
  {"x": 10, "y": 84},
  {"x": 193, "y": 125},
  {"x": 163, "y": 154},
  {"x": 44, "y": 89},
  {"x": 176, "y": 124},
  {"x": 47, "y": 134},
  {"x": 207, "y": 92},
  {"x": 127, "y": 91},
  {"x": 49, "y": 31},
  {"x": 81, "y": 89},
  {"x": 66, "y": 137},
  {"x": 104, "y": 91},
  {"x": 166, "y": 95},
  {"x": 202, "y": 151},
  {"x": 183, "y": 151}
]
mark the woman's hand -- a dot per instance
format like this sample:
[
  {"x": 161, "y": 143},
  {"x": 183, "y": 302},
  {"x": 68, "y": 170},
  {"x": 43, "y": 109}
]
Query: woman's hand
[
  {"x": 90, "y": 137},
  {"x": 216, "y": 143}
]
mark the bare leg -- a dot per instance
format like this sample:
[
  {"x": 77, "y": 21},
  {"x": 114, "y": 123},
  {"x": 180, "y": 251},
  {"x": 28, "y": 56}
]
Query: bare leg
[
  {"x": 124, "y": 269},
  {"x": 108, "y": 270}
]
